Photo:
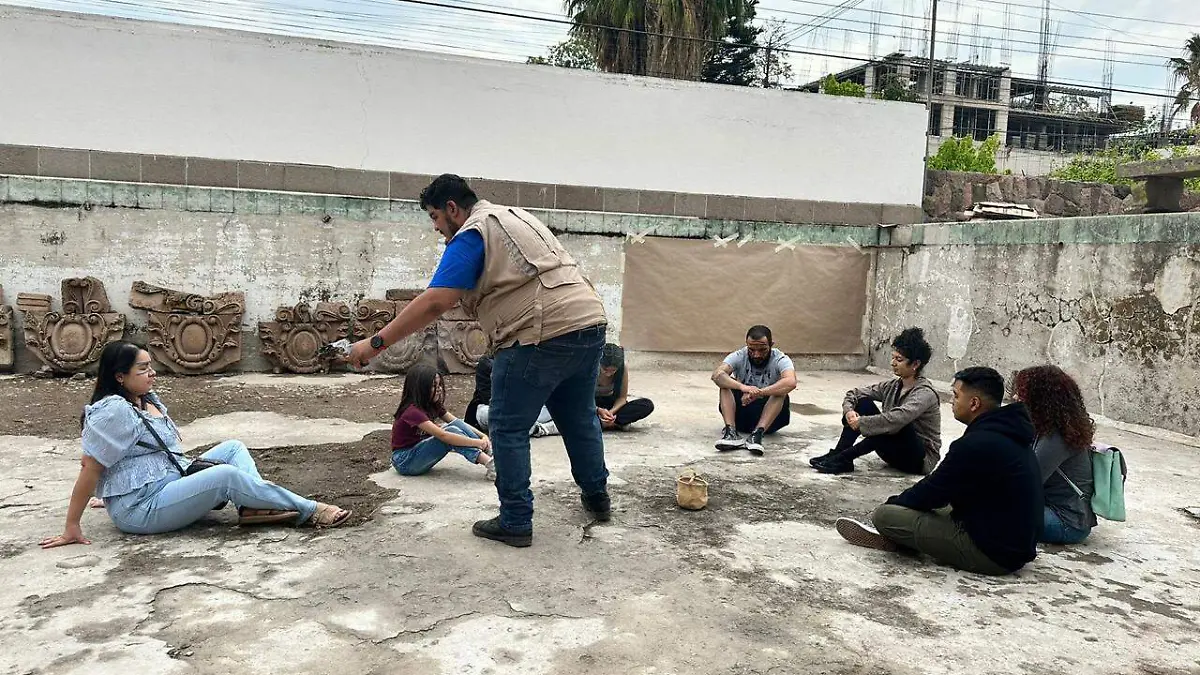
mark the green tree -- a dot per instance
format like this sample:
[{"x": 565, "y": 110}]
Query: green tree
[
  {"x": 750, "y": 55},
  {"x": 893, "y": 88},
  {"x": 1101, "y": 166},
  {"x": 733, "y": 62},
  {"x": 771, "y": 64},
  {"x": 1187, "y": 73},
  {"x": 960, "y": 154},
  {"x": 572, "y": 53},
  {"x": 666, "y": 38},
  {"x": 831, "y": 86}
]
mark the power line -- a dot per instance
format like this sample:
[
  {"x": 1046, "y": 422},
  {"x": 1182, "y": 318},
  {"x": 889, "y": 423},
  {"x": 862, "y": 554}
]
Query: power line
[
  {"x": 1018, "y": 14},
  {"x": 986, "y": 25},
  {"x": 356, "y": 36}
]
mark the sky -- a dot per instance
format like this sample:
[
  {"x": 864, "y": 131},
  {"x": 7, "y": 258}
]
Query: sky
[{"x": 1143, "y": 33}]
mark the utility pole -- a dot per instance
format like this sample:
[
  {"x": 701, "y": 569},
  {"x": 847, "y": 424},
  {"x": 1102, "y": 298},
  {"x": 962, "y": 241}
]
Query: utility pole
[
  {"x": 929, "y": 95},
  {"x": 767, "y": 68},
  {"x": 932, "y": 51}
]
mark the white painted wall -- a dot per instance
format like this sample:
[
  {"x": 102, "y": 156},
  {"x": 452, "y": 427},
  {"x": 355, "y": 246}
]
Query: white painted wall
[{"x": 113, "y": 84}]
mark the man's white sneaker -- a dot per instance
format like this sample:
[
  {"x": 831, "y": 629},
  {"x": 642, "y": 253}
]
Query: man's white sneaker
[{"x": 730, "y": 440}]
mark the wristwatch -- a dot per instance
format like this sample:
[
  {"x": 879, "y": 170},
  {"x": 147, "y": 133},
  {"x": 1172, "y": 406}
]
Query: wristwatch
[{"x": 376, "y": 342}]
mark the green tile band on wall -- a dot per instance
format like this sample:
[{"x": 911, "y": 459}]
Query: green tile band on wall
[{"x": 1099, "y": 230}]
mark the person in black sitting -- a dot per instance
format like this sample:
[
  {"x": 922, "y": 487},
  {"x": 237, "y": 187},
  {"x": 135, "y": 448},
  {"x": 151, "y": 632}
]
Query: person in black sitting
[
  {"x": 990, "y": 479},
  {"x": 907, "y": 433},
  {"x": 613, "y": 405},
  {"x": 480, "y": 404}
]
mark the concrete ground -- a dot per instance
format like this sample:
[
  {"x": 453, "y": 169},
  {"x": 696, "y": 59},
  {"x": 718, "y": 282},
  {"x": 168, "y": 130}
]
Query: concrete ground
[{"x": 757, "y": 583}]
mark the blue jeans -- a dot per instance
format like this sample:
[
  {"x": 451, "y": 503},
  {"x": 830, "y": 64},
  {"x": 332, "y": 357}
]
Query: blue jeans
[
  {"x": 560, "y": 374},
  {"x": 178, "y": 501},
  {"x": 1055, "y": 531},
  {"x": 421, "y": 457}
]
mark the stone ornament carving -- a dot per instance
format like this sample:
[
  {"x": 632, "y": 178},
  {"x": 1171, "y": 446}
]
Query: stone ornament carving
[
  {"x": 71, "y": 340},
  {"x": 191, "y": 334},
  {"x": 7, "y": 353},
  {"x": 292, "y": 342},
  {"x": 455, "y": 342},
  {"x": 461, "y": 341},
  {"x": 418, "y": 347}
]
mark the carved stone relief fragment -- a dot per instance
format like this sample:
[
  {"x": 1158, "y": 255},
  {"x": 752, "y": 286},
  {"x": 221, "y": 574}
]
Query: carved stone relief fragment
[
  {"x": 292, "y": 342},
  {"x": 454, "y": 342},
  {"x": 7, "y": 353},
  {"x": 191, "y": 334},
  {"x": 461, "y": 341},
  {"x": 416, "y": 348},
  {"x": 71, "y": 340}
]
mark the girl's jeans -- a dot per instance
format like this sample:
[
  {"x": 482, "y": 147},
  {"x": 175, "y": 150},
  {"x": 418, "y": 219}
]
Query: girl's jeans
[{"x": 421, "y": 457}]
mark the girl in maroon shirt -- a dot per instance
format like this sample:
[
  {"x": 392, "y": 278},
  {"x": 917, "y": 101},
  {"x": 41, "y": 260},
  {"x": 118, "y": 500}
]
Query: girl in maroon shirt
[{"x": 419, "y": 441}]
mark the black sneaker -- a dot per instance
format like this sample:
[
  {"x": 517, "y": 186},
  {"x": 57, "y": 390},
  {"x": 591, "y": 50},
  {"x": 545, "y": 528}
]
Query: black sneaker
[
  {"x": 599, "y": 504},
  {"x": 755, "y": 444},
  {"x": 491, "y": 529},
  {"x": 836, "y": 465},
  {"x": 730, "y": 440},
  {"x": 817, "y": 461}
]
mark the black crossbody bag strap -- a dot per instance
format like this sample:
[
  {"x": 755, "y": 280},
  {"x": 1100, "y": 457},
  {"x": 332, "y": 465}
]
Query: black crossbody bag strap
[{"x": 162, "y": 446}]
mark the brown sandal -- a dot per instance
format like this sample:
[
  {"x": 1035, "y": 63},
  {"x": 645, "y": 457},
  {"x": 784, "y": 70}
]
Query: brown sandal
[
  {"x": 265, "y": 516},
  {"x": 328, "y": 515}
]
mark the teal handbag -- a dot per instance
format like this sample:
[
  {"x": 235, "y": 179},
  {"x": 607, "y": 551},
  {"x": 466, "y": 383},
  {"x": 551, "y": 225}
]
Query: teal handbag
[{"x": 1108, "y": 476}]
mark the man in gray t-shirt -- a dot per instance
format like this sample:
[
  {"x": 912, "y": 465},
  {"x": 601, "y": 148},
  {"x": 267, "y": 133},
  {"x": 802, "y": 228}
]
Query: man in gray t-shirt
[{"x": 755, "y": 382}]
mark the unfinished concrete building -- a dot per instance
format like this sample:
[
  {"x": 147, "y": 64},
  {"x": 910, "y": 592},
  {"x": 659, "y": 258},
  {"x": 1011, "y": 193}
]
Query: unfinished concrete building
[{"x": 1036, "y": 120}]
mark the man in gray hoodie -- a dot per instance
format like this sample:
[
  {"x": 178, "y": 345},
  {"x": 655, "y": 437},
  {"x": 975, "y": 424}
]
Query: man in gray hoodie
[{"x": 906, "y": 433}]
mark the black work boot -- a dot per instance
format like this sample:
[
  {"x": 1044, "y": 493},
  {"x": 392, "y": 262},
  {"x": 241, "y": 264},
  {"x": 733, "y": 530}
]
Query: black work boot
[
  {"x": 599, "y": 504},
  {"x": 491, "y": 529}
]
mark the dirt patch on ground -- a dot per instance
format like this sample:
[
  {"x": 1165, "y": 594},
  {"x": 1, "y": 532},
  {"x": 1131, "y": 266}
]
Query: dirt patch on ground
[
  {"x": 335, "y": 474},
  {"x": 51, "y": 408}
]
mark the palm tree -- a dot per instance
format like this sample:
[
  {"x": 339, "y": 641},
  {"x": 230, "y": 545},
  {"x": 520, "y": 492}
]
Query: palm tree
[
  {"x": 1187, "y": 72},
  {"x": 666, "y": 38}
]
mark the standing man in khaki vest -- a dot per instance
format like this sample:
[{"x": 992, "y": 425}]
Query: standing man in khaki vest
[{"x": 547, "y": 328}]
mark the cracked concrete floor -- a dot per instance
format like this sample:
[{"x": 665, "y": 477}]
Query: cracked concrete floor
[{"x": 756, "y": 583}]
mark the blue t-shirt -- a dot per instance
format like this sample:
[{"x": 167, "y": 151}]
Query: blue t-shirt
[{"x": 462, "y": 263}]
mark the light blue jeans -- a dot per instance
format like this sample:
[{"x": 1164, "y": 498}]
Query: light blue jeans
[
  {"x": 178, "y": 501},
  {"x": 421, "y": 457}
]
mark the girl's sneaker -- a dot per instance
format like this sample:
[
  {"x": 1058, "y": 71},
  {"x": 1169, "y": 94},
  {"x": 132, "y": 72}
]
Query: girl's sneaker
[{"x": 491, "y": 470}]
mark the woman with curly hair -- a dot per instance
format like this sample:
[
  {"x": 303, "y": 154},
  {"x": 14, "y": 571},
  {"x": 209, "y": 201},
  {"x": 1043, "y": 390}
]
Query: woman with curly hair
[{"x": 1064, "y": 439}]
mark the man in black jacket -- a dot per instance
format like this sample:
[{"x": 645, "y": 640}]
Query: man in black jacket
[{"x": 989, "y": 479}]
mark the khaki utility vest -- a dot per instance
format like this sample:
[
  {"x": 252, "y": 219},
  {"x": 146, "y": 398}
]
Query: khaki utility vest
[{"x": 531, "y": 290}]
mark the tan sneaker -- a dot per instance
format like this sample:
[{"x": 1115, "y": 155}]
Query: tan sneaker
[{"x": 863, "y": 535}]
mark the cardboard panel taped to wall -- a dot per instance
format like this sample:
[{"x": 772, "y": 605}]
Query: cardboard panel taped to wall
[{"x": 687, "y": 295}]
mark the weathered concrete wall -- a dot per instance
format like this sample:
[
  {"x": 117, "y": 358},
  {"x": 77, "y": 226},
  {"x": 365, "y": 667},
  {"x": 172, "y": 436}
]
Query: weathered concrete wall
[
  {"x": 279, "y": 249},
  {"x": 1111, "y": 300},
  {"x": 949, "y": 193},
  {"x": 100, "y": 83}
]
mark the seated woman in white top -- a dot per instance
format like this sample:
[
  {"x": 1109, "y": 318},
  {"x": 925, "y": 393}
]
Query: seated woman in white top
[{"x": 145, "y": 486}]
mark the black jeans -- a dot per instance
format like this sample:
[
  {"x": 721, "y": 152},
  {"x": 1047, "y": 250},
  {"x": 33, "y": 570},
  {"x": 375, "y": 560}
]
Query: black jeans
[
  {"x": 902, "y": 450},
  {"x": 746, "y": 417},
  {"x": 633, "y": 410}
]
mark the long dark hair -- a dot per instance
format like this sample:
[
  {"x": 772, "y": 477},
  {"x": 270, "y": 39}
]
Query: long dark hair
[
  {"x": 116, "y": 359},
  {"x": 424, "y": 389},
  {"x": 1055, "y": 403}
]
